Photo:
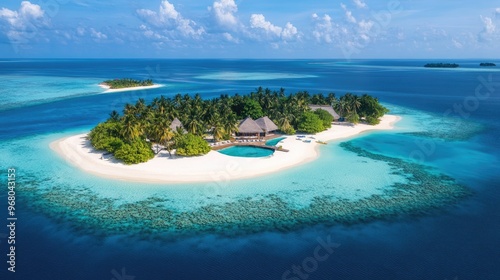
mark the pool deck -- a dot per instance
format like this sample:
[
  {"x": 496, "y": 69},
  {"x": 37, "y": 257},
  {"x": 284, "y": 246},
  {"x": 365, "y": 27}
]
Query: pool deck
[{"x": 263, "y": 146}]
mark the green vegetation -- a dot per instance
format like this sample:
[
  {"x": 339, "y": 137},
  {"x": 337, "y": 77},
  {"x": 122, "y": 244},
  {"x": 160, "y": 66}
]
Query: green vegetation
[
  {"x": 114, "y": 137},
  {"x": 126, "y": 83},
  {"x": 309, "y": 122},
  {"x": 325, "y": 117},
  {"x": 354, "y": 108},
  {"x": 441, "y": 65},
  {"x": 252, "y": 108},
  {"x": 487, "y": 64},
  {"x": 142, "y": 128},
  {"x": 136, "y": 151},
  {"x": 370, "y": 109},
  {"x": 191, "y": 145},
  {"x": 106, "y": 136}
]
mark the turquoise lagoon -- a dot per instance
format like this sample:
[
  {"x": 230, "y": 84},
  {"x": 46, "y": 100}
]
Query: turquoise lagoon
[{"x": 345, "y": 177}]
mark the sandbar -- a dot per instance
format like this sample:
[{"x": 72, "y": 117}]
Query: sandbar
[
  {"x": 109, "y": 90},
  {"x": 213, "y": 167}
]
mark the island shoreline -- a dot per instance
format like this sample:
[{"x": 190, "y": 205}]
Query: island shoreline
[
  {"x": 215, "y": 168},
  {"x": 108, "y": 89}
]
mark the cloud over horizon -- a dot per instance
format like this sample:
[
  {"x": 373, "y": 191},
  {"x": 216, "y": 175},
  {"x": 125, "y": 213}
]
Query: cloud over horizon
[
  {"x": 220, "y": 27},
  {"x": 25, "y": 24},
  {"x": 167, "y": 21}
]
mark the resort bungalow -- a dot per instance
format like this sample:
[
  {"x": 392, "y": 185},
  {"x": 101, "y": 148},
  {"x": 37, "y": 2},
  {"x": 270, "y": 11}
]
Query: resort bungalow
[
  {"x": 327, "y": 108},
  {"x": 248, "y": 127},
  {"x": 267, "y": 125},
  {"x": 258, "y": 128},
  {"x": 176, "y": 124}
]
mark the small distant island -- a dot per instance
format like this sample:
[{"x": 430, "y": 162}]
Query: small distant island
[
  {"x": 126, "y": 83},
  {"x": 441, "y": 65},
  {"x": 487, "y": 64}
]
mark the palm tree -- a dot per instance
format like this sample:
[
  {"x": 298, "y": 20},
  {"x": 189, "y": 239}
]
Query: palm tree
[
  {"x": 129, "y": 109},
  {"x": 284, "y": 120},
  {"x": 165, "y": 136},
  {"x": 355, "y": 103},
  {"x": 229, "y": 120},
  {"x": 178, "y": 100},
  {"x": 281, "y": 93},
  {"x": 114, "y": 116},
  {"x": 218, "y": 132},
  {"x": 331, "y": 99},
  {"x": 267, "y": 101},
  {"x": 194, "y": 126},
  {"x": 131, "y": 129},
  {"x": 140, "y": 109},
  {"x": 341, "y": 106}
]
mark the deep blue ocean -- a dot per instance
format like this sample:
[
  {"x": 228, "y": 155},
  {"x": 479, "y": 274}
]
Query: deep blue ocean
[{"x": 450, "y": 128}]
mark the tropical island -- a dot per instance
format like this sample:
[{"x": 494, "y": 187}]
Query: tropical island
[
  {"x": 487, "y": 64},
  {"x": 126, "y": 84},
  {"x": 176, "y": 139},
  {"x": 441, "y": 65}
]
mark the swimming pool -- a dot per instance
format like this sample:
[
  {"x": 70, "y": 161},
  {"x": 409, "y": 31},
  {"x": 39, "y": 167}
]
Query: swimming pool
[
  {"x": 274, "y": 142},
  {"x": 246, "y": 151}
]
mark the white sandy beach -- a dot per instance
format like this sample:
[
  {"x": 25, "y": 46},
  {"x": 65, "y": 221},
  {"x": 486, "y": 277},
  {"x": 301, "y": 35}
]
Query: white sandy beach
[
  {"x": 213, "y": 167},
  {"x": 109, "y": 90}
]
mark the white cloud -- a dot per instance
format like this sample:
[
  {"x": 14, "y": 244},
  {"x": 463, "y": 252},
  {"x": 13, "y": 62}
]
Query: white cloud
[
  {"x": 169, "y": 20},
  {"x": 348, "y": 14},
  {"x": 25, "y": 24},
  {"x": 167, "y": 10},
  {"x": 152, "y": 34},
  {"x": 288, "y": 33},
  {"x": 230, "y": 38},
  {"x": 489, "y": 25},
  {"x": 224, "y": 11},
  {"x": 351, "y": 36},
  {"x": 365, "y": 26},
  {"x": 28, "y": 15},
  {"x": 97, "y": 35},
  {"x": 489, "y": 32},
  {"x": 80, "y": 31},
  {"x": 359, "y": 3},
  {"x": 457, "y": 44},
  {"x": 229, "y": 27},
  {"x": 497, "y": 11},
  {"x": 259, "y": 21},
  {"x": 324, "y": 30}
]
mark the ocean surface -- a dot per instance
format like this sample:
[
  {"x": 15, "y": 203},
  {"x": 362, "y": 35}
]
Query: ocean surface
[{"x": 417, "y": 202}]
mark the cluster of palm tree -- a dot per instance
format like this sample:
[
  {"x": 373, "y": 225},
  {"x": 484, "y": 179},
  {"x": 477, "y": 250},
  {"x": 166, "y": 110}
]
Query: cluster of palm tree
[
  {"x": 347, "y": 106},
  {"x": 198, "y": 116},
  {"x": 284, "y": 110},
  {"x": 220, "y": 116},
  {"x": 126, "y": 82},
  {"x": 354, "y": 107}
]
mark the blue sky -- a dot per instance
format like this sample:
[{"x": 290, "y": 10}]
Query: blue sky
[{"x": 250, "y": 29}]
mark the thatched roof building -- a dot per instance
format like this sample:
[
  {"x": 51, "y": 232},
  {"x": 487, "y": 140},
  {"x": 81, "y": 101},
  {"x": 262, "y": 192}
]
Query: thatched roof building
[
  {"x": 249, "y": 127},
  {"x": 327, "y": 108},
  {"x": 176, "y": 123},
  {"x": 266, "y": 124}
]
